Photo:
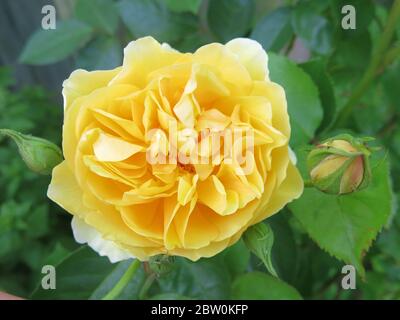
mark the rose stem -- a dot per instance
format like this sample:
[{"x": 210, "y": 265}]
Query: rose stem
[
  {"x": 123, "y": 281},
  {"x": 146, "y": 286}
]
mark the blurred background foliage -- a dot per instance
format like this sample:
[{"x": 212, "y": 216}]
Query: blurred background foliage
[{"x": 318, "y": 62}]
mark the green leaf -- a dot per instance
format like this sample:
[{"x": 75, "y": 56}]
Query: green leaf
[
  {"x": 100, "y": 14},
  {"x": 6, "y": 78},
  {"x": 203, "y": 279},
  {"x": 49, "y": 46},
  {"x": 103, "y": 53},
  {"x": 261, "y": 286},
  {"x": 152, "y": 17},
  {"x": 314, "y": 29},
  {"x": 390, "y": 81},
  {"x": 353, "y": 52},
  {"x": 346, "y": 225},
  {"x": 347, "y": 64},
  {"x": 285, "y": 251},
  {"x": 317, "y": 6},
  {"x": 302, "y": 96},
  {"x": 230, "y": 19},
  {"x": 317, "y": 71},
  {"x": 58, "y": 253},
  {"x": 192, "y": 42},
  {"x": 379, "y": 287},
  {"x": 274, "y": 30},
  {"x": 83, "y": 275},
  {"x": 389, "y": 240},
  {"x": 236, "y": 258},
  {"x": 38, "y": 221},
  {"x": 369, "y": 118},
  {"x": 398, "y": 29},
  {"x": 132, "y": 289},
  {"x": 184, "y": 5}
]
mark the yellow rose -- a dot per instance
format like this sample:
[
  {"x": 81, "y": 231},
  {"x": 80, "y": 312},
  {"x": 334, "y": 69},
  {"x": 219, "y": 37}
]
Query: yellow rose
[{"x": 166, "y": 105}]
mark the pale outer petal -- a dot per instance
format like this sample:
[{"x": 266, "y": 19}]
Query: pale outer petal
[
  {"x": 292, "y": 156},
  {"x": 252, "y": 55},
  {"x": 83, "y": 233}
]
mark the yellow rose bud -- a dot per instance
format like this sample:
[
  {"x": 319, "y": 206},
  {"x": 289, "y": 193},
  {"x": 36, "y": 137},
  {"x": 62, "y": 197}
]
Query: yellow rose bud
[
  {"x": 174, "y": 153},
  {"x": 340, "y": 165},
  {"x": 40, "y": 155}
]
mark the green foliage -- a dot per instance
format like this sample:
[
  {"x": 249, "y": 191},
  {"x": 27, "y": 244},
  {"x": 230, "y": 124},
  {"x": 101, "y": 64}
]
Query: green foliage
[
  {"x": 261, "y": 286},
  {"x": 302, "y": 96},
  {"x": 230, "y": 18},
  {"x": 316, "y": 61},
  {"x": 278, "y": 28},
  {"x": 312, "y": 28},
  {"x": 236, "y": 258},
  {"x": 184, "y": 5},
  {"x": 316, "y": 69},
  {"x": 102, "y": 53},
  {"x": 100, "y": 14},
  {"x": 346, "y": 225},
  {"x": 94, "y": 276},
  {"x": 48, "y": 46},
  {"x": 32, "y": 230},
  {"x": 259, "y": 238},
  {"x": 144, "y": 18}
]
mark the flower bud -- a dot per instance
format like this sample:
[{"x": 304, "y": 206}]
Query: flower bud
[
  {"x": 340, "y": 165},
  {"x": 259, "y": 239},
  {"x": 161, "y": 264},
  {"x": 40, "y": 155}
]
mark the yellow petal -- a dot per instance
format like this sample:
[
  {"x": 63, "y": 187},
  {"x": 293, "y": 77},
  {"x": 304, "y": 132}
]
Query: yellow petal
[
  {"x": 145, "y": 219},
  {"x": 200, "y": 231},
  {"x": 64, "y": 190},
  {"x": 252, "y": 56},
  {"x": 212, "y": 193},
  {"x": 82, "y": 82},
  {"x": 291, "y": 189},
  {"x": 123, "y": 127},
  {"x": 227, "y": 64},
  {"x": 353, "y": 176},
  {"x": 212, "y": 119},
  {"x": 141, "y": 57},
  {"x": 277, "y": 98},
  {"x": 205, "y": 84},
  {"x": 186, "y": 188},
  {"x": 181, "y": 219},
  {"x": 185, "y": 111},
  {"x": 328, "y": 166},
  {"x": 110, "y": 148},
  {"x": 148, "y": 191}
]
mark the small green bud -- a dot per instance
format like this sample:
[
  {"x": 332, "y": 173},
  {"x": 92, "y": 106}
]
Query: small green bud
[
  {"x": 340, "y": 165},
  {"x": 40, "y": 155},
  {"x": 161, "y": 264},
  {"x": 259, "y": 239}
]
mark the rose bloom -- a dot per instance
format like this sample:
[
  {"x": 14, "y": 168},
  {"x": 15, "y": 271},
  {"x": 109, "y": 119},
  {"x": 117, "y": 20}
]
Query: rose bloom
[{"x": 124, "y": 205}]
